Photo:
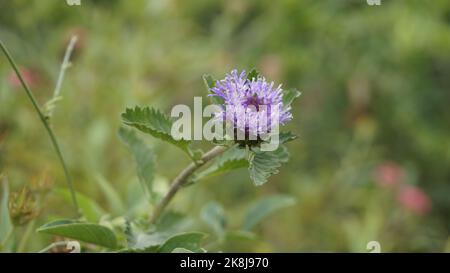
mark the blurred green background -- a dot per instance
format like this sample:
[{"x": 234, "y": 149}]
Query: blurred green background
[{"x": 373, "y": 158}]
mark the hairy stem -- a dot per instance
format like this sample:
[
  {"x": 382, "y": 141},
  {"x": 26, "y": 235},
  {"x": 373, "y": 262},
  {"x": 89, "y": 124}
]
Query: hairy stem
[
  {"x": 44, "y": 122},
  {"x": 182, "y": 179}
]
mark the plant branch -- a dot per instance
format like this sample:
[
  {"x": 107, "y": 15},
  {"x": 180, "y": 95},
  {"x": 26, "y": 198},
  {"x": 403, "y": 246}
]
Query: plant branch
[
  {"x": 183, "y": 178},
  {"x": 44, "y": 122},
  {"x": 50, "y": 105}
]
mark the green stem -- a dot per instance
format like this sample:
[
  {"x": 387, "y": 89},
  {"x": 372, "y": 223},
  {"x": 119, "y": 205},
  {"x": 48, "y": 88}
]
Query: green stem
[
  {"x": 44, "y": 122},
  {"x": 182, "y": 179},
  {"x": 25, "y": 237}
]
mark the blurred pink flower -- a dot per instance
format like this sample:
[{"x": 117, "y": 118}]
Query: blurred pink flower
[
  {"x": 414, "y": 199},
  {"x": 389, "y": 174},
  {"x": 30, "y": 77}
]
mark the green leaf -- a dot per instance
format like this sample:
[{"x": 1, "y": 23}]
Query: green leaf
[
  {"x": 264, "y": 164},
  {"x": 253, "y": 74},
  {"x": 143, "y": 242},
  {"x": 214, "y": 216},
  {"x": 112, "y": 196},
  {"x": 154, "y": 241},
  {"x": 170, "y": 223},
  {"x": 89, "y": 208},
  {"x": 181, "y": 250},
  {"x": 144, "y": 157},
  {"x": 209, "y": 81},
  {"x": 173, "y": 222},
  {"x": 5, "y": 221},
  {"x": 146, "y": 241},
  {"x": 86, "y": 232},
  {"x": 196, "y": 154},
  {"x": 233, "y": 158},
  {"x": 150, "y": 249},
  {"x": 289, "y": 96},
  {"x": 263, "y": 208},
  {"x": 155, "y": 123},
  {"x": 240, "y": 236},
  {"x": 286, "y": 137},
  {"x": 189, "y": 240}
]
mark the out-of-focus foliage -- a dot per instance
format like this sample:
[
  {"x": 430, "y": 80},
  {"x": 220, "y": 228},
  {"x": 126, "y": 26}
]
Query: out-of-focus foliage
[{"x": 372, "y": 161}]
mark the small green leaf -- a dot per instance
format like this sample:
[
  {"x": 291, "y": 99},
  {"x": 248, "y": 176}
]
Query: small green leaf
[
  {"x": 189, "y": 240},
  {"x": 138, "y": 241},
  {"x": 196, "y": 155},
  {"x": 214, "y": 216},
  {"x": 240, "y": 236},
  {"x": 181, "y": 250},
  {"x": 89, "y": 208},
  {"x": 86, "y": 232},
  {"x": 209, "y": 82},
  {"x": 144, "y": 157},
  {"x": 264, "y": 164},
  {"x": 233, "y": 158},
  {"x": 289, "y": 96},
  {"x": 169, "y": 224},
  {"x": 5, "y": 221},
  {"x": 145, "y": 241},
  {"x": 286, "y": 137},
  {"x": 253, "y": 74},
  {"x": 155, "y": 123},
  {"x": 263, "y": 208}
]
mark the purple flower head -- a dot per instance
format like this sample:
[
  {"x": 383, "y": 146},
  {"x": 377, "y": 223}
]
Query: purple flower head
[{"x": 256, "y": 103}]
